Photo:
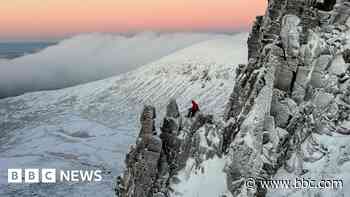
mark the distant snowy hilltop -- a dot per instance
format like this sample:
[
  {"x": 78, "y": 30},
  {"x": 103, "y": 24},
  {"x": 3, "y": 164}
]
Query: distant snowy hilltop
[
  {"x": 91, "y": 126},
  {"x": 89, "y": 57}
]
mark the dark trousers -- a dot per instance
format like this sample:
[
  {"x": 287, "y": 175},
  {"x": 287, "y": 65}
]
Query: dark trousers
[{"x": 191, "y": 113}]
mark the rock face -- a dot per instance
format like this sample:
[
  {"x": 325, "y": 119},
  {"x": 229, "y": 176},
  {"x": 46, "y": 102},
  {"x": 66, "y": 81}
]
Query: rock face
[
  {"x": 152, "y": 164},
  {"x": 142, "y": 160},
  {"x": 295, "y": 86}
]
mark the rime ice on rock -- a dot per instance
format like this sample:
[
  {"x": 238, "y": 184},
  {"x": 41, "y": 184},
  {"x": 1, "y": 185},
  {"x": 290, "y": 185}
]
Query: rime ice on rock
[
  {"x": 289, "y": 106},
  {"x": 142, "y": 160}
]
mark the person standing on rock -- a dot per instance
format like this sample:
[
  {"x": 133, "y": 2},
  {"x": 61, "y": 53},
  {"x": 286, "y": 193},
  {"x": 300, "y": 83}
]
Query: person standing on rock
[{"x": 193, "y": 110}]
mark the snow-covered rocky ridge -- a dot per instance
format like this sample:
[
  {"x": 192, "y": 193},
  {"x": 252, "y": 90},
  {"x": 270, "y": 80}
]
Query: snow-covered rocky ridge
[
  {"x": 91, "y": 126},
  {"x": 288, "y": 116}
]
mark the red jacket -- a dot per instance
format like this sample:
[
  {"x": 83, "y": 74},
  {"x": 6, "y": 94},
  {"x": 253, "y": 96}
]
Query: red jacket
[{"x": 195, "y": 106}]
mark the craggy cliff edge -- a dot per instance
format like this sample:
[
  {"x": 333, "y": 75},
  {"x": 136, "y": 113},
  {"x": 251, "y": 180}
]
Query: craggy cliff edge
[{"x": 294, "y": 89}]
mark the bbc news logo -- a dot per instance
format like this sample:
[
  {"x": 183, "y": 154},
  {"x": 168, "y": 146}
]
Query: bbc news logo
[{"x": 52, "y": 175}]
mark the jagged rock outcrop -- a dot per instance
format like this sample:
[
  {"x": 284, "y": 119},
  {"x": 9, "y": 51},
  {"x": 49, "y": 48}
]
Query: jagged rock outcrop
[
  {"x": 303, "y": 100},
  {"x": 153, "y": 164},
  {"x": 295, "y": 86},
  {"x": 142, "y": 160}
]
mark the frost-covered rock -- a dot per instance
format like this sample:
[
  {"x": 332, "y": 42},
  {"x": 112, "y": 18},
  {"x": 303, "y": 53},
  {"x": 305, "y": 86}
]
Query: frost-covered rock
[
  {"x": 290, "y": 35},
  {"x": 338, "y": 65},
  {"x": 288, "y": 109},
  {"x": 154, "y": 165},
  {"x": 142, "y": 160}
]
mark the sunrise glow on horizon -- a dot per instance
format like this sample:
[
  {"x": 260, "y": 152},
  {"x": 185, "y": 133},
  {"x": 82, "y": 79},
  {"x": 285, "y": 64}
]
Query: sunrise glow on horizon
[{"x": 45, "y": 19}]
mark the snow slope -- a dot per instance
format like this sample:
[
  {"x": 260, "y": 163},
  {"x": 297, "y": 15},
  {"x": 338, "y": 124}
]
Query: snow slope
[
  {"x": 332, "y": 165},
  {"x": 207, "y": 180},
  {"x": 91, "y": 126},
  {"x": 89, "y": 57}
]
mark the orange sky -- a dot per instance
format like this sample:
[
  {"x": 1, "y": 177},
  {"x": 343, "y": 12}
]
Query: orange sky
[{"x": 42, "y": 19}]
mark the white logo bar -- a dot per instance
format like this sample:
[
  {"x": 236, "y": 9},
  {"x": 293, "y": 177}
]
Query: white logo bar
[{"x": 49, "y": 175}]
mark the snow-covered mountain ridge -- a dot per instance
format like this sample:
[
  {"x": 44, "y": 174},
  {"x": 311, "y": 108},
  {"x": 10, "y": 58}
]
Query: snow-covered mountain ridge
[
  {"x": 90, "y": 57},
  {"x": 287, "y": 117},
  {"x": 92, "y": 125}
]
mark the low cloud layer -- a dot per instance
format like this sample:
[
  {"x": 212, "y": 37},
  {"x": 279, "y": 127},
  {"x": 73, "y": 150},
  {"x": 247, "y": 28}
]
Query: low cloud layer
[{"x": 88, "y": 58}]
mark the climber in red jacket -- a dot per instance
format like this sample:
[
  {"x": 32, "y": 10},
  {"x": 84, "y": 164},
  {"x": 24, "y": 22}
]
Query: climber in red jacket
[{"x": 193, "y": 110}]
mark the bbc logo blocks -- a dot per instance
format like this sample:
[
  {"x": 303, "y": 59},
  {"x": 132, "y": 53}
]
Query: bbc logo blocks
[
  {"x": 31, "y": 176},
  {"x": 48, "y": 175},
  {"x": 14, "y": 175}
]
